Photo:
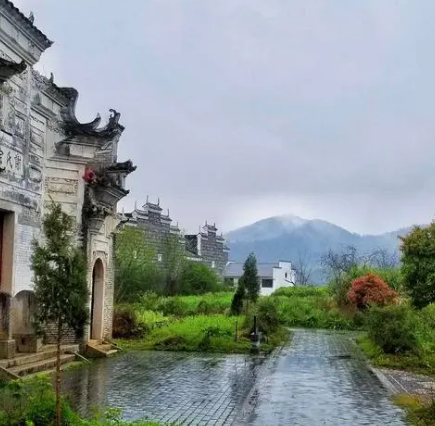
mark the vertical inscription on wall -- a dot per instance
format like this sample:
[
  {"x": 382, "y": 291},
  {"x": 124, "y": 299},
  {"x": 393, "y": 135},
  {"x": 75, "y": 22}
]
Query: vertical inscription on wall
[{"x": 11, "y": 160}]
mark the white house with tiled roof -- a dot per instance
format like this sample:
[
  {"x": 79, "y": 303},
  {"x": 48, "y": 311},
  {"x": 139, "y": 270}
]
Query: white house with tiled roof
[{"x": 271, "y": 275}]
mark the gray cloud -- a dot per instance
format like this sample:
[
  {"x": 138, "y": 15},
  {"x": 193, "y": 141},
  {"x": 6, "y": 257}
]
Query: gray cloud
[{"x": 240, "y": 109}]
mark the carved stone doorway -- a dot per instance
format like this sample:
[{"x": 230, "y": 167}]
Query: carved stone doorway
[{"x": 97, "y": 301}]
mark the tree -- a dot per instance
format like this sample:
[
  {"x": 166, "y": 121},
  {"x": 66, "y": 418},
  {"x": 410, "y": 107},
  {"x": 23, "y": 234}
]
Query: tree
[
  {"x": 418, "y": 264},
  {"x": 303, "y": 268},
  {"x": 383, "y": 259},
  {"x": 336, "y": 264},
  {"x": 60, "y": 283},
  {"x": 174, "y": 259},
  {"x": 249, "y": 279},
  {"x": 135, "y": 270}
]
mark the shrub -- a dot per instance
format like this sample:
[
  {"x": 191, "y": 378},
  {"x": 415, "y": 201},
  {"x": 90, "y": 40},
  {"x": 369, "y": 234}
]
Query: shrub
[
  {"x": 392, "y": 276},
  {"x": 370, "y": 290},
  {"x": 175, "y": 305},
  {"x": 31, "y": 402},
  {"x": 126, "y": 323},
  {"x": 340, "y": 286},
  {"x": 267, "y": 315},
  {"x": 310, "y": 308},
  {"x": 149, "y": 301},
  {"x": 393, "y": 328},
  {"x": 197, "y": 278},
  {"x": 428, "y": 315}
]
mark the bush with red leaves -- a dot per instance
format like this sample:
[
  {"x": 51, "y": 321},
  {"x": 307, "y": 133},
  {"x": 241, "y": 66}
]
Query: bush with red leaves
[{"x": 371, "y": 290}]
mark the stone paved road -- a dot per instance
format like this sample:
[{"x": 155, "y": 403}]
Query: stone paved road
[
  {"x": 188, "y": 389},
  {"x": 320, "y": 380}
]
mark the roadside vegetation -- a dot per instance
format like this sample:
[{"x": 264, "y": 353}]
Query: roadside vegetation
[
  {"x": 420, "y": 410},
  {"x": 210, "y": 322},
  {"x": 32, "y": 402},
  {"x": 396, "y": 308}
]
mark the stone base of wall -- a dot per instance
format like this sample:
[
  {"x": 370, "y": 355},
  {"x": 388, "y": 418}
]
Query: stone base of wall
[
  {"x": 28, "y": 343},
  {"x": 7, "y": 349}
]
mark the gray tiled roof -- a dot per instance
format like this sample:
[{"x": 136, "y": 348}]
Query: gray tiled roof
[
  {"x": 235, "y": 270},
  {"x": 27, "y": 23}
]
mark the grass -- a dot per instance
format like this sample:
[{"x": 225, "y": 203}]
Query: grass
[
  {"x": 205, "y": 333},
  {"x": 310, "y": 307},
  {"x": 423, "y": 363},
  {"x": 420, "y": 411},
  {"x": 202, "y": 323},
  {"x": 181, "y": 306}
]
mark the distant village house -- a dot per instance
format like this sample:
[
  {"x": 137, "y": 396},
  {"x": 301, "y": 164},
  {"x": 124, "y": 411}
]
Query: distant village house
[{"x": 271, "y": 275}]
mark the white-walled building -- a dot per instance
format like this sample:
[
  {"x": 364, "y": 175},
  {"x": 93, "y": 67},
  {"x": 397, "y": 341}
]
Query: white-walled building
[
  {"x": 271, "y": 275},
  {"x": 47, "y": 154}
]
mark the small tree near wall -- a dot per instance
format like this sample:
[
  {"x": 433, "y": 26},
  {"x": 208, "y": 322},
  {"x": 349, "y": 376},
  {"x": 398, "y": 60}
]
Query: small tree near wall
[
  {"x": 61, "y": 289},
  {"x": 250, "y": 278}
]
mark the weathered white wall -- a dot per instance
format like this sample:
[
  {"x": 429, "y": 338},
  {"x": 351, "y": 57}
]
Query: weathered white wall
[{"x": 22, "y": 157}]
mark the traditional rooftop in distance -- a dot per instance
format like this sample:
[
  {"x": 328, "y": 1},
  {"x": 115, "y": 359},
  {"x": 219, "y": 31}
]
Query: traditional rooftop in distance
[{"x": 205, "y": 246}]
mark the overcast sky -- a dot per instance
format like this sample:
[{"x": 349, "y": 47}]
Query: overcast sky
[{"x": 236, "y": 110}]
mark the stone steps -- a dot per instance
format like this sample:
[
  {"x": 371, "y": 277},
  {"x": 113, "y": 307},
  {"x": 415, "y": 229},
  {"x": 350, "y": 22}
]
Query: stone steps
[
  {"x": 42, "y": 365},
  {"x": 95, "y": 349},
  {"x": 48, "y": 352}
]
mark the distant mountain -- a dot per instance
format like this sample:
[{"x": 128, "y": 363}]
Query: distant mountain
[{"x": 291, "y": 238}]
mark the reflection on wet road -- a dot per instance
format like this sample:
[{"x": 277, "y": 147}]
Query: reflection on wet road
[{"x": 321, "y": 380}]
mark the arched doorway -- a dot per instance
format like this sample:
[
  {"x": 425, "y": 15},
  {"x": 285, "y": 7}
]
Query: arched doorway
[
  {"x": 5, "y": 312},
  {"x": 22, "y": 309},
  {"x": 97, "y": 301}
]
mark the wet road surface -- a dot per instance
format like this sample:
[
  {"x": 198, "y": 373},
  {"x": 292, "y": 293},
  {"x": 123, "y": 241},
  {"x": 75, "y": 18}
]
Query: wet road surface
[
  {"x": 181, "y": 388},
  {"x": 319, "y": 379}
]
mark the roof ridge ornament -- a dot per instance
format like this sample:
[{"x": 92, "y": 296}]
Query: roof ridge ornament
[{"x": 72, "y": 124}]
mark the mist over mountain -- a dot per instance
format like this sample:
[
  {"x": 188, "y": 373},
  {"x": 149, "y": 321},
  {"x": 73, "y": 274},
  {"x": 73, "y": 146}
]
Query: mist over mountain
[{"x": 296, "y": 239}]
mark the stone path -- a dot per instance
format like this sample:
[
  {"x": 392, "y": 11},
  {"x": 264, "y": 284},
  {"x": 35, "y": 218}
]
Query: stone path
[
  {"x": 320, "y": 380},
  {"x": 181, "y": 388},
  {"x": 405, "y": 382}
]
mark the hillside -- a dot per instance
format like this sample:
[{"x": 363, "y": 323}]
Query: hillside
[{"x": 293, "y": 238}]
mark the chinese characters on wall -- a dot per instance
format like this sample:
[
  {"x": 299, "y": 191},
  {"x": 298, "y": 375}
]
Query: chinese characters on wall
[{"x": 11, "y": 161}]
